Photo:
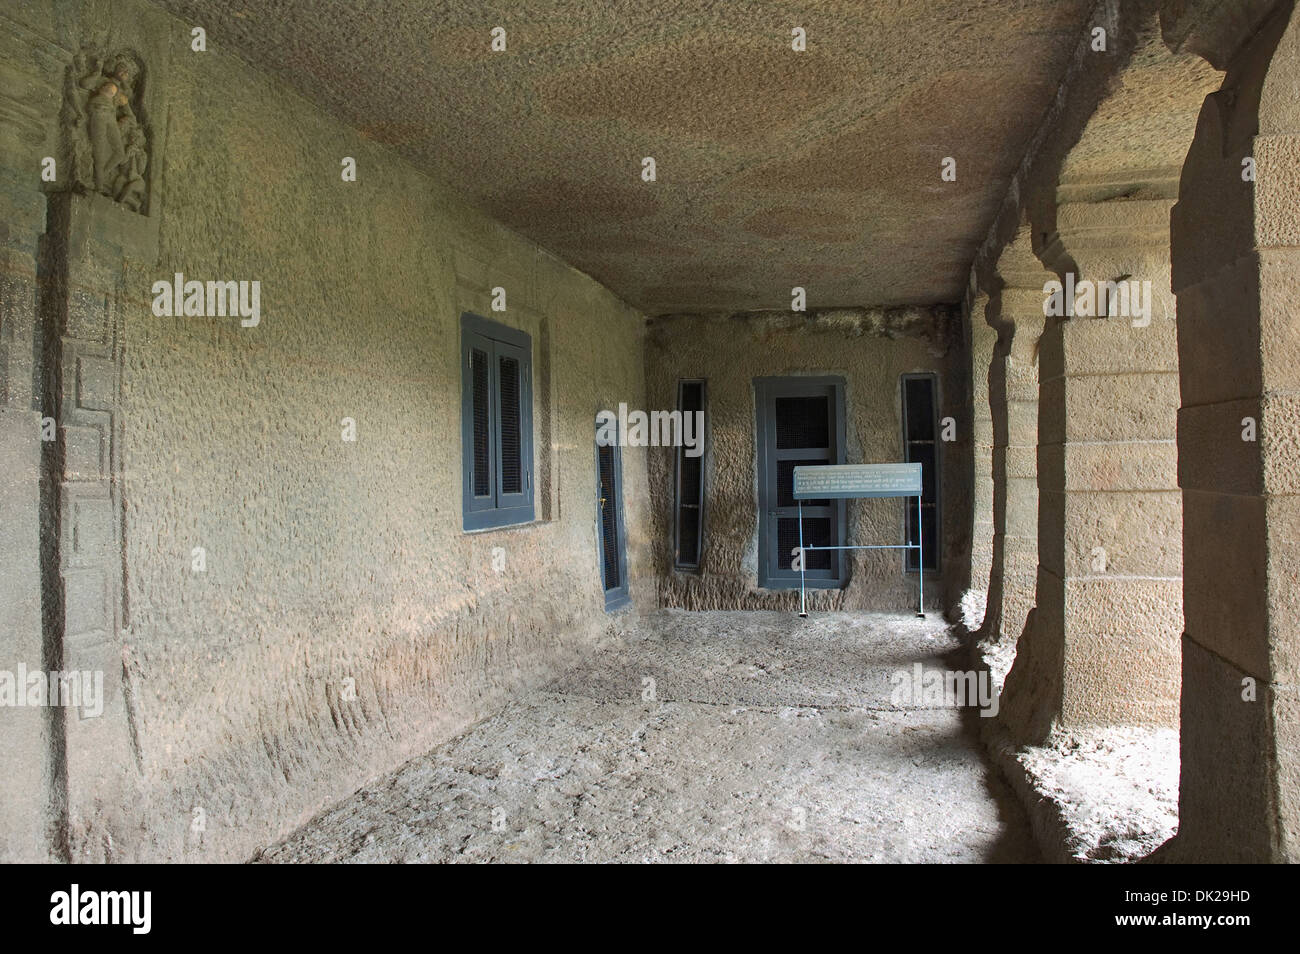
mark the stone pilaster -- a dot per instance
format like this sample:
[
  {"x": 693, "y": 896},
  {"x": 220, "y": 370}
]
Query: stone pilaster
[{"x": 91, "y": 250}]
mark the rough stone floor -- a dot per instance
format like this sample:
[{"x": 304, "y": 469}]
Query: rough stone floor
[
  {"x": 1115, "y": 790},
  {"x": 768, "y": 738}
]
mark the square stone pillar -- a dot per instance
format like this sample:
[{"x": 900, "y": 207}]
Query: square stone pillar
[
  {"x": 984, "y": 340},
  {"x": 1236, "y": 271},
  {"x": 1023, "y": 307},
  {"x": 1109, "y": 527}
]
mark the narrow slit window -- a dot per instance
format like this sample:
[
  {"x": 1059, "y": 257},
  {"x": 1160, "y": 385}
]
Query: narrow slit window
[
  {"x": 496, "y": 424},
  {"x": 609, "y": 506},
  {"x": 609, "y": 522},
  {"x": 688, "y": 526},
  {"x": 920, "y": 445},
  {"x": 512, "y": 473},
  {"x": 480, "y": 374}
]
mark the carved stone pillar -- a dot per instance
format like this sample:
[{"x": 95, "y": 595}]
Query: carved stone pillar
[
  {"x": 984, "y": 339},
  {"x": 1110, "y": 526},
  {"x": 1236, "y": 258},
  {"x": 1013, "y": 390}
]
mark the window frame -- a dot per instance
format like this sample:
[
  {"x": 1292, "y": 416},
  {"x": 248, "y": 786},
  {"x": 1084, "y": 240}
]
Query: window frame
[
  {"x": 698, "y": 504},
  {"x": 935, "y": 552},
  {"x": 497, "y": 509}
]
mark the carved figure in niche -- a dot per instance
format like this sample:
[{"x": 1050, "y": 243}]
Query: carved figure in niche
[{"x": 109, "y": 146}]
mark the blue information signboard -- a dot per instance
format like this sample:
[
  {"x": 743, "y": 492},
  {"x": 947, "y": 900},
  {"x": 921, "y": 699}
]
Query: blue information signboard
[{"x": 844, "y": 481}]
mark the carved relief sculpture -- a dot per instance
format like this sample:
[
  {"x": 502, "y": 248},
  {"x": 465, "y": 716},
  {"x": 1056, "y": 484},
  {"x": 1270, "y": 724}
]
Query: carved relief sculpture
[{"x": 108, "y": 145}]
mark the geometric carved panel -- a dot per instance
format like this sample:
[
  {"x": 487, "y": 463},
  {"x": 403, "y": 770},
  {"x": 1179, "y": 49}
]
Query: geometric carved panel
[
  {"x": 88, "y": 317},
  {"x": 86, "y": 607},
  {"x": 93, "y": 530},
  {"x": 96, "y": 383},
  {"x": 84, "y": 453}
]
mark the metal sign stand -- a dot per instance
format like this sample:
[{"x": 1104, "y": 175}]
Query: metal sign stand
[{"x": 855, "y": 481}]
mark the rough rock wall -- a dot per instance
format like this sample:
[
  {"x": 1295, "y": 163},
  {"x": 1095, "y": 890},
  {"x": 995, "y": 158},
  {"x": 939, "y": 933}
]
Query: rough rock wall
[
  {"x": 870, "y": 348},
  {"x": 343, "y": 621}
]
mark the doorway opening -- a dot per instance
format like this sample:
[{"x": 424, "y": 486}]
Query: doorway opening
[
  {"x": 610, "y": 526},
  {"x": 800, "y": 421}
]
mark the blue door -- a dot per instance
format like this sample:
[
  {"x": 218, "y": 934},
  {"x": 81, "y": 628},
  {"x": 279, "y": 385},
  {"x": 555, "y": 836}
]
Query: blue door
[
  {"x": 800, "y": 420},
  {"x": 609, "y": 527}
]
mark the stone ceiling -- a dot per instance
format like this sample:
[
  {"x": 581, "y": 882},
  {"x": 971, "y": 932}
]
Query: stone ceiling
[{"x": 775, "y": 168}]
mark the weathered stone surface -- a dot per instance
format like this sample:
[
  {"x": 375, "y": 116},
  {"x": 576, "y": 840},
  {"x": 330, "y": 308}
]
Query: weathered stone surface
[
  {"x": 770, "y": 739},
  {"x": 25, "y": 739},
  {"x": 1114, "y": 467},
  {"x": 1137, "y": 534},
  {"x": 768, "y": 160},
  {"x": 1231, "y": 820}
]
